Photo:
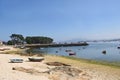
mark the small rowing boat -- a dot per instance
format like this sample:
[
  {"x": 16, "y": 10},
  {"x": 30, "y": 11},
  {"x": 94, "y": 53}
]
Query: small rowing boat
[{"x": 16, "y": 60}]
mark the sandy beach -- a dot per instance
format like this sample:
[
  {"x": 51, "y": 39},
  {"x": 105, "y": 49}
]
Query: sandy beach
[
  {"x": 41, "y": 71},
  {"x": 5, "y": 48}
]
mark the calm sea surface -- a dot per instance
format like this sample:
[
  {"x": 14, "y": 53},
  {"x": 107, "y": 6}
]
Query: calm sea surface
[{"x": 93, "y": 51}]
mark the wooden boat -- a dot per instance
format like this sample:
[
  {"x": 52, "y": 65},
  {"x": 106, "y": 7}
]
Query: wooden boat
[
  {"x": 16, "y": 60},
  {"x": 36, "y": 59}
]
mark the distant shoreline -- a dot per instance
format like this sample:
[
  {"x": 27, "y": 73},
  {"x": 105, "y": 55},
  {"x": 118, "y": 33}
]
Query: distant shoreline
[{"x": 57, "y": 45}]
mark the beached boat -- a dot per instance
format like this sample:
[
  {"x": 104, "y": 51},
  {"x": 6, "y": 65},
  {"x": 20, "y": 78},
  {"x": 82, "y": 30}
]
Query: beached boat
[
  {"x": 2, "y": 49},
  {"x": 16, "y": 60},
  {"x": 36, "y": 59}
]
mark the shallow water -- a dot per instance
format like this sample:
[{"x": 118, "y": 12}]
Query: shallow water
[{"x": 93, "y": 51}]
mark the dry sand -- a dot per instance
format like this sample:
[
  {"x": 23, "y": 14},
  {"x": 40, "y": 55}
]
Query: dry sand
[
  {"x": 6, "y": 72},
  {"x": 5, "y": 48},
  {"x": 36, "y": 70}
]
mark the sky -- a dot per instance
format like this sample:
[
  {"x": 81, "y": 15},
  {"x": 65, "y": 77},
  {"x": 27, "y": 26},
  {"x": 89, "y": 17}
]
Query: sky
[{"x": 60, "y": 19}]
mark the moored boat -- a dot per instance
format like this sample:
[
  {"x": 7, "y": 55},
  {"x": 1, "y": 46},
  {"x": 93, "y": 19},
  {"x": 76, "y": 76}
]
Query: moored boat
[
  {"x": 118, "y": 47},
  {"x": 104, "y": 51},
  {"x": 72, "y": 53},
  {"x": 68, "y": 50}
]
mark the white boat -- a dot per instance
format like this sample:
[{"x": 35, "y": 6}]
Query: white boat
[{"x": 16, "y": 60}]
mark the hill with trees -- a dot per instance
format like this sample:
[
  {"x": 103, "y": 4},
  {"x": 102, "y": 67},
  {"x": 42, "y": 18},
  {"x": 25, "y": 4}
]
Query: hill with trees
[{"x": 18, "y": 39}]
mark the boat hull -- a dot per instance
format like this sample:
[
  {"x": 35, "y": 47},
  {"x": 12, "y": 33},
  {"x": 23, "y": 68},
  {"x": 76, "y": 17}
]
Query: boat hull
[
  {"x": 16, "y": 60},
  {"x": 36, "y": 59}
]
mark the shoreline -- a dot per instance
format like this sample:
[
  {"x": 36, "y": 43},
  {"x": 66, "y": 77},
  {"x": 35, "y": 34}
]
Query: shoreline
[
  {"x": 12, "y": 50},
  {"x": 90, "y": 71},
  {"x": 97, "y": 62},
  {"x": 19, "y": 51}
]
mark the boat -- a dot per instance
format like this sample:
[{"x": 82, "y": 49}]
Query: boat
[
  {"x": 2, "y": 49},
  {"x": 104, "y": 52},
  {"x": 118, "y": 47},
  {"x": 36, "y": 59},
  {"x": 72, "y": 53},
  {"x": 68, "y": 50},
  {"x": 16, "y": 60}
]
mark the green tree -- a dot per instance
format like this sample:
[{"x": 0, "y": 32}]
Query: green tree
[
  {"x": 17, "y": 39},
  {"x": 9, "y": 42},
  {"x": 38, "y": 40}
]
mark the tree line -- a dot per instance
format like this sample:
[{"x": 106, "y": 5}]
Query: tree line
[{"x": 18, "y": 39}]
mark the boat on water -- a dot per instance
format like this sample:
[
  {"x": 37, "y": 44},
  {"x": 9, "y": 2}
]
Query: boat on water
[
  {"x": 72, "y": 53},
  {"x": 68, "y": 50},
  {"x": 104, "y": 51},
  {"x": 36, "y": 59},
  {"x": 16, "y": 60},
  {"x": 118, "y": 47}
]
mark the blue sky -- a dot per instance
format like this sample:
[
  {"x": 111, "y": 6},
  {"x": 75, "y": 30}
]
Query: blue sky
[{"x": 60, "y": 19}]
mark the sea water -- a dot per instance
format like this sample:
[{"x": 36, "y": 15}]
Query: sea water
[{"x": 93, "y": 51}]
